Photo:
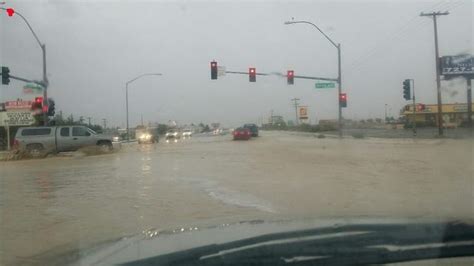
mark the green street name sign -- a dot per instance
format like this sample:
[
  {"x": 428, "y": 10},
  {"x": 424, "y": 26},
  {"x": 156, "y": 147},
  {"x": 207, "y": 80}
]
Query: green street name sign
[{"x": 326, "y": 85}]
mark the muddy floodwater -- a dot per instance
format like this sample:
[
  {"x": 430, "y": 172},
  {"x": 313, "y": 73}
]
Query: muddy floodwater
[{"x": 56, "y": 205}]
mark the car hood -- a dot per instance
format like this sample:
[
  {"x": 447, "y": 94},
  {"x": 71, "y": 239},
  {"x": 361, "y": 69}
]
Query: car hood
[{"x": 201, "y": 245}]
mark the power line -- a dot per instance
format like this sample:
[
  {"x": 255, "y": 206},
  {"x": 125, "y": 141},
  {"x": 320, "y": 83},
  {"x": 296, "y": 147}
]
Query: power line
[{"x": 395, "y": 35}]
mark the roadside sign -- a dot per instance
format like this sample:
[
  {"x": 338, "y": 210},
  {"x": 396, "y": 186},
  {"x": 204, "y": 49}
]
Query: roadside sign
[
  {"x": 303, "y": 113},
  {"x": 32, "y": 88},
  {"x": 16, "y": 118},
  {"x": 457, "y": 65},
  {"x": 325, "y": 85},
  {"x": 220, "y": 71},
  {"x": 18, "y": 105}
]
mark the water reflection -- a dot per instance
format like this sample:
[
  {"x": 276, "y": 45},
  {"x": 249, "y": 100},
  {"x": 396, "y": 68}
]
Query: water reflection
[{"x": 45, "y": 185}]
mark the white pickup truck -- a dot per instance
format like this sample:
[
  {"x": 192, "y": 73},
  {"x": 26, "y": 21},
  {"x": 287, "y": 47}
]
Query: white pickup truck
[{"x": 40, "y": 141}]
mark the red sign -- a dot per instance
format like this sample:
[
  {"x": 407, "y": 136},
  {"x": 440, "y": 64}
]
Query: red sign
[{"x": 18, "y": 105}]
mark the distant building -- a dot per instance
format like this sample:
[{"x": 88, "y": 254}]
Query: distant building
[{"x": 453, "y": 114}]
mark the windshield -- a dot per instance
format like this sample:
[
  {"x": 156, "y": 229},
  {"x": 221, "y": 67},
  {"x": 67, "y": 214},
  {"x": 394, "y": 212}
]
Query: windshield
[{"x": 125, "y": 119}]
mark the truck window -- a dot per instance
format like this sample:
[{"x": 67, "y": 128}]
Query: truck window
[
  {"x": 80, "y": 132},
  {"x": 64, "y": 132},
  {"x": 36, "y": 131}
]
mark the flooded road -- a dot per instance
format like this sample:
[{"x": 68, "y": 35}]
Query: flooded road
[{"x": 61, "y": 204}]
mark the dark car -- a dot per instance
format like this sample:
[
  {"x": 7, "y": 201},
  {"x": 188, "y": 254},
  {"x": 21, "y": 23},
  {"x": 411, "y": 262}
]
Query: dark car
[
  {"x": 253, "y": 129},
  {"x": 242, "y": 133}
]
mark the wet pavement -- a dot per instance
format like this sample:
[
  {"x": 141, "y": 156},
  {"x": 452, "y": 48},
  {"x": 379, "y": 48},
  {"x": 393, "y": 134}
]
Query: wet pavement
[{"x": 62, "y": 204}]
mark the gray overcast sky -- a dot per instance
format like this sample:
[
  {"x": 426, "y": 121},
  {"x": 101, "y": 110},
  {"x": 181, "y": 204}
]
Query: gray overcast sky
[{"x": 93, "y": 48}]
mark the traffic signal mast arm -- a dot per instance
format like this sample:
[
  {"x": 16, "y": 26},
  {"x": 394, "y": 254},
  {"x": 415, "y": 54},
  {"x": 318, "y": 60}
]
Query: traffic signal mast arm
[
  {"x": 281, "y": 75},
  {"x": 23, "y": 79}
]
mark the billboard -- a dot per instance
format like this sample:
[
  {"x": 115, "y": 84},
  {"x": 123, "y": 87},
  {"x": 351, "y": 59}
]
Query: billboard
[
  {"x": 457, "y": 65},
  {"x": 303, "y": 113}
]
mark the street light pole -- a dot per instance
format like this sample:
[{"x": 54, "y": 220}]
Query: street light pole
[
  {"x": 126, "y": 97},
  {"x": 339, "y": 80},
  {"x": 44, "y": 82}
]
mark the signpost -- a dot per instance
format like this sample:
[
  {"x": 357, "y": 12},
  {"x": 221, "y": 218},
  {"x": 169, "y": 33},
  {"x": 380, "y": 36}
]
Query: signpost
[
  {"x": 325, "y": 85},
  {"x": 8, "y": 133}
]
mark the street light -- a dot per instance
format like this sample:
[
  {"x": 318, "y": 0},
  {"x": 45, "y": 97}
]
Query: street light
[
  {"x": 43, "y": 49},
  {"x": 126, "y": 96},
  {"x": 338, "y": 47}
]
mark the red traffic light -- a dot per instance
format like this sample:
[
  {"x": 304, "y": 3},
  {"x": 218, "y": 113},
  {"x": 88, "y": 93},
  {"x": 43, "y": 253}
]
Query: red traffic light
[
  {"x": 10, "y": 11},
  {"x": 252, "y": 74},
  {"x": 290, "y": 77},
  {"x": 343, "y": 100},
  {"x": 39, "y": 100},
  {"x": 214, "y": 71}
]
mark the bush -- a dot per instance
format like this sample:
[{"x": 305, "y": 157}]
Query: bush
[
  {"x": 327, "y": 127},
  {"x": 321, "y": 136},
  {"x": 358, "y": 135}
]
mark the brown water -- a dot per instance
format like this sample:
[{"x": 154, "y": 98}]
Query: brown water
[{"x": 61, "y": 204}]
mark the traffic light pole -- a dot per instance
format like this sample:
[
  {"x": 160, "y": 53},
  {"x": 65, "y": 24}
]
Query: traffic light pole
[
  {"x": 45, "y": 85},
  {"x": 339, "y": 88},
  {"x": 339, "y": 80},
  {"x": 45, "y": 82},
  {"x": 414, "y": 108}
]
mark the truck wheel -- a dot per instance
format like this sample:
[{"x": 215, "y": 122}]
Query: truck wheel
[
  {"x": 36, "y": 150},
  {"x": 105, "y": 146}
]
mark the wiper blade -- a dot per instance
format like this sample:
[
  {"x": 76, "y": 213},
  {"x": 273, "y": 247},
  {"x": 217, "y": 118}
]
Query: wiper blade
[{"x": 374, "y": 246}]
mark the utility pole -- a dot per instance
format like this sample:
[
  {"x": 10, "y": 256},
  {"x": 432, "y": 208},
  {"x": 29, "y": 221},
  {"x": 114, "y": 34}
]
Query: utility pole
[
  {"x": 434, "y": 15},
  {"x": 295, "y": 100},
  {"x": 89, "y": 118},
  {"x": 386, "y": 118},
  {"x": 105, "y": 122},
  {"x": 142, "y": 119}
]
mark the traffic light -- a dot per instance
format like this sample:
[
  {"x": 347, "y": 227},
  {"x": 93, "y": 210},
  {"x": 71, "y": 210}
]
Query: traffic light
[
  {"x": 343, "y": 99},
  {"x": 290, "y": 77},
  {"x": 10, "y": 12},
  {"x": 406, "y": 89},
  {"x": 51, "y": 107},
  {"x": 213, "y": 70},
  {"x": 37, "y": 104},
  {"x": 252, "y": 74},
  {"x": 5, "y": 75}
]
